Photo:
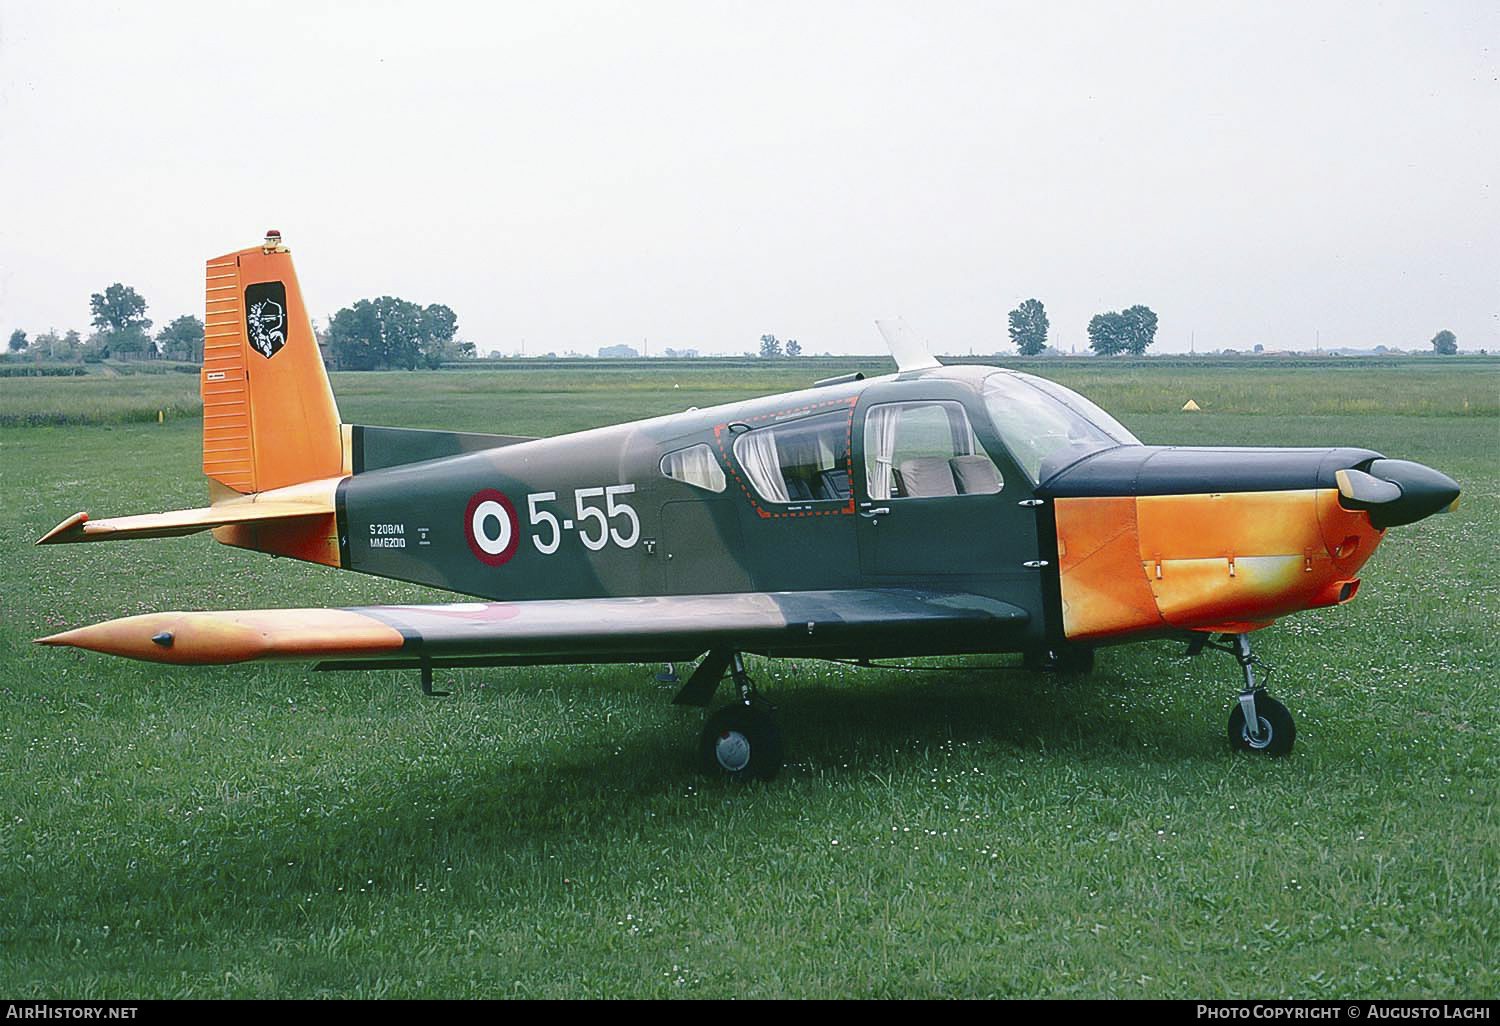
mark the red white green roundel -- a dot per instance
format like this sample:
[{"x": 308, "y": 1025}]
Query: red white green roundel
[{"x": 491, "y": 527}]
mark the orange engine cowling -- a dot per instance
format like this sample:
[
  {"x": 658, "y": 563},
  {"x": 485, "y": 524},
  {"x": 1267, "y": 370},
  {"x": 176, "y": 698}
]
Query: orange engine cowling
[{"x": 1221, "y": 560}]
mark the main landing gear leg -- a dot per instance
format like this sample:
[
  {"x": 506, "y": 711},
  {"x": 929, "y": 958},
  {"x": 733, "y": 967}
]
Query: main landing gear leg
[
  {"x": 426, "y": 668},
  {"x": 1258, "y": 723},
  {"x": 740, "y": 741}
]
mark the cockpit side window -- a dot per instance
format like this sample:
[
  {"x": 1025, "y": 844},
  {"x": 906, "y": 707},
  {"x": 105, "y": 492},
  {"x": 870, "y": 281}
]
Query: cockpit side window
[
  {"x": 925, "y": 450},
  {"x": 696, "y": 465},
  {"x": 797, "y": 461}
]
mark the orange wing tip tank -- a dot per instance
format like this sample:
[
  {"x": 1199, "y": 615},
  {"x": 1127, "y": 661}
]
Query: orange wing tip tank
[{"x": 207, "y": 638}]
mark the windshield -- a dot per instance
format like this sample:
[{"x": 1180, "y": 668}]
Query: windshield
[{"x": 1038, "y": 419}]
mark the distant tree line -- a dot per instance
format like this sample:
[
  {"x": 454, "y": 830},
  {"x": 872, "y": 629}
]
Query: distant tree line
[
  {"x": 1131, "y": 330},
  {"x": 394, "y": 334},
  {"x": 772, "y": 347},
  {"x": 373, "y": 334},
  {"x": 121, "y": 328},
  {"x": 1128, "y": 331}
]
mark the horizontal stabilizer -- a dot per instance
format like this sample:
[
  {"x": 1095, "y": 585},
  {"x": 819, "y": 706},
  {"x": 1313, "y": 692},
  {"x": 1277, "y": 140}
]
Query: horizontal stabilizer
[
  {"x": 79, "y": 528},
  {"x": 874, "y": 621}
]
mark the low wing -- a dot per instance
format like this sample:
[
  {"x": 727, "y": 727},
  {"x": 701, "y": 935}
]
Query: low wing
[{"x": 858, "y": 622}]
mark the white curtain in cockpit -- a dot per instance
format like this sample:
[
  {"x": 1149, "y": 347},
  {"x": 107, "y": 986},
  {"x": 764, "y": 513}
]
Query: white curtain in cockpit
[
  {"x": 880, "y": 448},
  {"x": 694, "y": 465},
  {"x": 757, "y": 454}
]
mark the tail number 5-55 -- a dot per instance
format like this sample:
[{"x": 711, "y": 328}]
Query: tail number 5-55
[{"x": 547, "y": 532}]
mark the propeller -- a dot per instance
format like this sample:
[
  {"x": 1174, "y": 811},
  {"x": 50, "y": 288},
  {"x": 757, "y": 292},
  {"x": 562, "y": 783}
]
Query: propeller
[{"x": 1396, "y": 492}]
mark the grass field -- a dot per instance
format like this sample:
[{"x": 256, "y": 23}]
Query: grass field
[{"x": 266, "y": 831}]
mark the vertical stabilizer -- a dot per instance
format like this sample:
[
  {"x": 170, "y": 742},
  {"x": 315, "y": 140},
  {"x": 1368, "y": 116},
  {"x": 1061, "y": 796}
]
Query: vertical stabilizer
[{"x": 269, "y": 418}]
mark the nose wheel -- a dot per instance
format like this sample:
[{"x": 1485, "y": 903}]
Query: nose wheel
[
  {"x": 1275, "y": 731},
  {"x": 1258, "y": 723}
]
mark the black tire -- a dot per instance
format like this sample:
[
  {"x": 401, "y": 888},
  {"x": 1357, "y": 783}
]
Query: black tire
[
  {"x": 1278, "y": 731},
  {"x": 740, "y": 743}
]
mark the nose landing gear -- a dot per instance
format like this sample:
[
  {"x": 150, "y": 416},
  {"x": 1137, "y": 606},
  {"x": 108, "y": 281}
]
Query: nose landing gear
[{"x": 1258, "y": 723}]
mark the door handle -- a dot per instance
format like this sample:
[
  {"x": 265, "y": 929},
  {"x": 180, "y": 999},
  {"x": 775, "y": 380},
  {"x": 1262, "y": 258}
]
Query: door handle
[{"x": 879, "y": 511}]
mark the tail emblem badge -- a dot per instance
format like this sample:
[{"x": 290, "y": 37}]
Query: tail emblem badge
[{"x": 266, "y": 321}]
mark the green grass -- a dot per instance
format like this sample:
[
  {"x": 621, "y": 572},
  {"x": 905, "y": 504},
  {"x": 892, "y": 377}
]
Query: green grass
[
  {"x": 547, "y": 394},
  {"x": 265, "y": 831}
]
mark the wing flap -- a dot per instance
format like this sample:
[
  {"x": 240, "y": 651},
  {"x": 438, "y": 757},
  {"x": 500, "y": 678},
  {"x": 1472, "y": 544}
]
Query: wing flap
[{"x": 877, "y": 621}]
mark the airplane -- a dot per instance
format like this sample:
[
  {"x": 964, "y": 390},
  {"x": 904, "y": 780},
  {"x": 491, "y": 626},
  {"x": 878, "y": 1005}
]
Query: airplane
[{"x": 939, "y": 510}]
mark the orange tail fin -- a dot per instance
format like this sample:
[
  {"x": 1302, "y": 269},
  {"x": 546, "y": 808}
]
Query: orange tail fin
[{"x": 269, "y": 418}]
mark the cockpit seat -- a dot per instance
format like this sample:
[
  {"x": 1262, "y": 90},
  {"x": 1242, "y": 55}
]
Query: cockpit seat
[
  {"x": 927, "y": 477},
  {"x": 975, "y": 475}
]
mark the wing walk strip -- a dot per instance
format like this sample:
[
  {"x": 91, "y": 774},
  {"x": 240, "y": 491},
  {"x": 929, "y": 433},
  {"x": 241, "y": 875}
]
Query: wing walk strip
[{"x": 579, "y": 630}]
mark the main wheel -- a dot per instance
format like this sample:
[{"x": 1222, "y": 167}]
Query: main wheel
[
  {"x": 740, "y": 743},
  {"x": 1277, "y": 730}
]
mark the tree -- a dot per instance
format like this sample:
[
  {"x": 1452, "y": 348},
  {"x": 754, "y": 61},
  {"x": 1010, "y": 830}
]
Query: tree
[
  {"x": 118, "y": 309},
  {"x": 1132, "y": 330},
  {"x": 1028, "y": 327},
  {"x": 1445, "y": 342},
  {"x": 352, "y": 336},
  {"x": 439, "y": 325},
  {"x": 120, "y": 316},
  {"x": 17, "y": 341},
  {"x": 1107, "y": 334},
  {"x": 182, "y": 339},
  {"x": 1140, "y": 328},
  {"x": 770, "y": 346},
  {"x": 793, "y": 347},
  {"x": 388, "y": 332}
]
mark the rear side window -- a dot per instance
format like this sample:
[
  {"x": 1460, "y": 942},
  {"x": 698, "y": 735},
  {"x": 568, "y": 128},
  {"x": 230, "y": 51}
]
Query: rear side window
[
  {"x": 804, "y": 460},
  {"x": 696, "y": 465},
  {"x": 925, "y": 451}
]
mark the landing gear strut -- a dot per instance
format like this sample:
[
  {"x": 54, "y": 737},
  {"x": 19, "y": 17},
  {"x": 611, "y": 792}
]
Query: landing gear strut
[
  {"x": 1066, "y": 660},
  {"x": 740, "y": 741},
  {"x": 1258, "y": 723}
]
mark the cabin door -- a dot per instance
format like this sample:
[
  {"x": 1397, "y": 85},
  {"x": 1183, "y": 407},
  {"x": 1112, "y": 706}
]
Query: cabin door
[{"x": 932, "y": 503}]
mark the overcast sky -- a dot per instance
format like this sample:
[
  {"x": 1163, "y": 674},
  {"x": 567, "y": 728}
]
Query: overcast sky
[{"x": 700, "y": 173}]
